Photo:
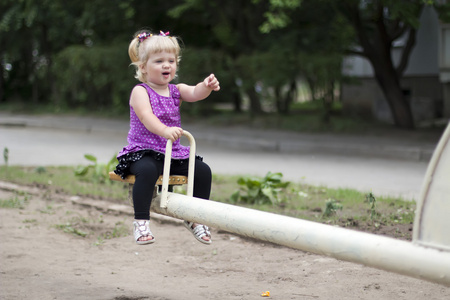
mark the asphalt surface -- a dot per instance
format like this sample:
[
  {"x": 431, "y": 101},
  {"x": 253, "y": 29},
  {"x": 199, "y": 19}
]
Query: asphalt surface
[
  {"x": 389, "y": 163},
  {"x": 397, "y": 144}
]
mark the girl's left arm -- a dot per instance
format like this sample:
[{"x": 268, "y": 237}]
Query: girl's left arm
[{"x": 200, "y": 91}]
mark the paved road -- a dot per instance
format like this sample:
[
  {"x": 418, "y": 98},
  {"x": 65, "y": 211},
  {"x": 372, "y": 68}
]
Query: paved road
[{"x": 394, "y": 167}]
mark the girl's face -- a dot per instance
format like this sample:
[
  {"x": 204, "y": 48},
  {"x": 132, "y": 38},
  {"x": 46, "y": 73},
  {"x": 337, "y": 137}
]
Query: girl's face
[{"x": 160, "y": 68}]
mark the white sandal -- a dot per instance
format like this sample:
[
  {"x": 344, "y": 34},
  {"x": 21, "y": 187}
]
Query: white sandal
[
  {"x": 142, "y": 229},
  {"x": 199, "y": 231}
]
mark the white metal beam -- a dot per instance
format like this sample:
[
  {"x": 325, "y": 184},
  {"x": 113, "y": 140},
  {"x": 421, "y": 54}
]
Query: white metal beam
[
  {"x": 427, "y": 258},
  {"x": 371, "y": 250}
]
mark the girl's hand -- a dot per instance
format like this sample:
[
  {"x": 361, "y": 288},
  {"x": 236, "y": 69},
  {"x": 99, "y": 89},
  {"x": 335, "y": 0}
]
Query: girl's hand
[
  {"x": 172, "y": 133},
  {"x": 212, "y": 82}
]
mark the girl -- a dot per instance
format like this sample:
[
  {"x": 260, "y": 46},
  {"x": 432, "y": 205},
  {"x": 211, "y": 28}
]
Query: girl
[{"x": 154, "y": 118}]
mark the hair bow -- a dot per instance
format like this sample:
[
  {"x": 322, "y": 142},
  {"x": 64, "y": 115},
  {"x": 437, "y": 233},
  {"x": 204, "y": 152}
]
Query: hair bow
[
  {"x": 161, "y": 33},
  {"x": 143, "y": 36}
]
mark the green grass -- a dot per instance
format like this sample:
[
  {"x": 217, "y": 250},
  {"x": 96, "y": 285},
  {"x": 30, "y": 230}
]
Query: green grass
[
  {"x": 297, "y": 200},
  {"x": 19, "y": 200},
  {"x": 63, "y": 179},
  {"x": 390, "y": 216},
  {"x": 71, "y": 228}
]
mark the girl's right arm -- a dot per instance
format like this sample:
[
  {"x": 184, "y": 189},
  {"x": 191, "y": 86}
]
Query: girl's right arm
[{"x": 140, "y": 102}]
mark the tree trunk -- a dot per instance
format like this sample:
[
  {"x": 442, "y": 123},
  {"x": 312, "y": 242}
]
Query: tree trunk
[
  {"x": 328, "y": 102},
  {"x": 2, "y": 86},
  {"x": 400, "y": 108},
  {"x": 237, "y": 103},
  {"x": 312, "y": 88},
  {"x": 255, "y": 104},
  {"x": 283, "y": 102},
  {"x": 278, "y": 98},
  {"x": 389, "y": 81},
  {"x": 377, "y": 45},
  {"x": 290, "y": 96}
]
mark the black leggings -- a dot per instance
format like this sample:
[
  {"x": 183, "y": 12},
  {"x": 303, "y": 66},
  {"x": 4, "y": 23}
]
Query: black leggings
[{"x": 147, "y": 170}]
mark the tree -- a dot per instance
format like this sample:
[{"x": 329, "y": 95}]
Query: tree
[
  {"x": 38, "y": 33},
  {"x": 230, "y": 27},
  {"x": 315, "y": 40},
  {"x": 273, "y": 61},
  {"x": 376, "y": 25},
  {"x": 31, "y": 38}
]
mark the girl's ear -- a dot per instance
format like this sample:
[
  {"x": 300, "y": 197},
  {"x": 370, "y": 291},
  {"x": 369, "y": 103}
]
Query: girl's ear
[{"x": 142, "y": 68}]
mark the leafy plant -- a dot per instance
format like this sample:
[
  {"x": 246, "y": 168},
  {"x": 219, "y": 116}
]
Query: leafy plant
[
  {"x": 99, "y": 170},
  {"x": 40, "y": 170},
  {"x": 260, "y": 190},
  {"x": 370, "y": 198},
  {"x": 331, "y": 207},
  {"x": 6, "y": 156},
  {"x": 69, "y": 228},
  {"x": 6, "y": 159},
  {"x": 74, "y": 226}
]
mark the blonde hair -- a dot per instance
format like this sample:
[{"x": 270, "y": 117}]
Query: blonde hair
[{"x": 140, "y": 51}]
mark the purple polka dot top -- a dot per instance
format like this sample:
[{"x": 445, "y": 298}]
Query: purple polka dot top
[{"x": 167, "y": 110}]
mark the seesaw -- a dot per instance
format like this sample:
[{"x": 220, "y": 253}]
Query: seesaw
[{"x": 427, "y": 257}]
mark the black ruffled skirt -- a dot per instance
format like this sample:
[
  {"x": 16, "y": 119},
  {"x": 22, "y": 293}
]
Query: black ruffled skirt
[{"x": 123, "y": 167}]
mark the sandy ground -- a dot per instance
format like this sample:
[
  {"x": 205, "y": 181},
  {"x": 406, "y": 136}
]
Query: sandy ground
[{"x": 40, "y": 261}]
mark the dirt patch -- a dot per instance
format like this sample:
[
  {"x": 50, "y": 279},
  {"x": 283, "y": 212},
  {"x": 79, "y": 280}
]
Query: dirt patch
[
  {"x": 397, "y": 231},
  {"x": 52, "y": 247}
]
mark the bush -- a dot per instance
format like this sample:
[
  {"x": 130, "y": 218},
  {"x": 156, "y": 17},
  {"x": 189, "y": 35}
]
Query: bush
[{"x": 93, "y": 77}]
